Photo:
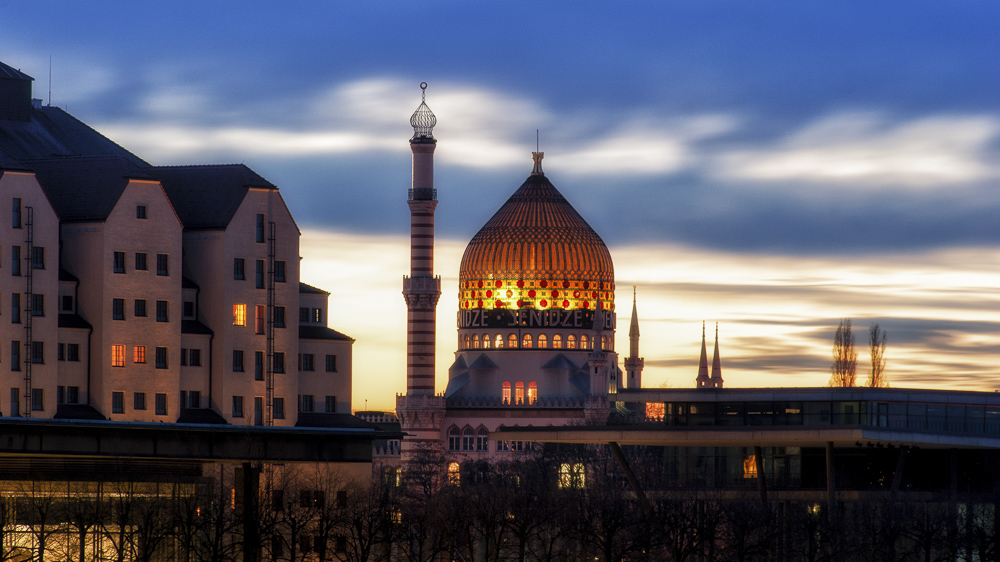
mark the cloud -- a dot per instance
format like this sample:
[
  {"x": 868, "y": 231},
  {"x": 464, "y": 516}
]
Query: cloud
[{"x": 867, "y": 148}]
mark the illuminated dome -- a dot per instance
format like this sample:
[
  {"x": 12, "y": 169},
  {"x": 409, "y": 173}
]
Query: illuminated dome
[{"x": 537, "y": 253}]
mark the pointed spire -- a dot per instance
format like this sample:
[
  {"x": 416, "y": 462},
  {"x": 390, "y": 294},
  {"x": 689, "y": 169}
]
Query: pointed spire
[
  {"x": 633, "y": 328},
  {"x": 423, "y": 119},
  {"x": 716, "y": 362},
  {"x": 703, "y": 378}
]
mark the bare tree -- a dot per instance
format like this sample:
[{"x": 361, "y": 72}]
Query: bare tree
[
  {"x": 844, "y": 370},
  {"x": 876, "y": 345}
]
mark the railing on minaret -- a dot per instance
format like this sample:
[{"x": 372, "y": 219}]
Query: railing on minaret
[{"x": 421, "y": 289}]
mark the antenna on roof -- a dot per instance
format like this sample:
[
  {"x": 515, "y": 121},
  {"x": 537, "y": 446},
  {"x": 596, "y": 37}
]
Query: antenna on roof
[
  {"x": 50, "y": 80},
  {"x": 537, "y": 149}
]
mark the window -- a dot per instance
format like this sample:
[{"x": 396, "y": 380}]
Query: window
[
  {"x": 498, "y": 343},
  {"x": 139, "y": 401},
  {"x": 317, "y": 315},
  {"x": 278, "y": 409},
  {"x": 118, "y": 264},
  {"x": 15, "y": 402},
  {"x": 117, "y": 309},
  {"x": 475, "y": 341},
  {"x": 259, "y": 274},
  {"x": 306, "y": 362},
  {"x": 279, "y": 271},
  {"x": 37, "y": 305},
  {"x": 482, "y": 439},
  {"x": 258, "y": 365},
  {"x": 73, "y": 352},
  {"x": 571, "y": 342},
  {"x": 519, "y": 392},
  {"x": 15, "y": 215},
  {"x": 140, "y": 261},
  {"x": 238, "y": 360},
  {"x": 239, "y": 315},
  {"x": 60, "y": 352},
  {"x": 38, "y": 352},
  {"x": 38, "y": 399},
  {"x": 468, "y": 439},
  {"x": 454, "y": 439},
  {"x": 512, "y": 340},
  {"x": 454, "y": 474},
  {"x": 161, "y": 358},
  {"x": 584, "y": 342},
  {"x": 139, "y": 354},
  {"x": 194, "y": 399},
  {"x": 557, "y": 341},
  {"x": 237, "y": 406},
  {"x": 15, "y": 260},
  {"x": 140, "y": 308},
  {"x": 140, "y": 211},
  {"x": 279, "y": 317},
  {"x": 506, "y": 392},
  {"x": 67, "y": 303},
  {"x": 72, "y": 394},
  {"x": 184, "y": 357},
  {"x": 258, "y": 322},
  {"x": 260, "y": 228},
  {"x": 239, "y": 268},
  {"x": 604, "y": 342},
  {"x": 37, "y": 257},
  {"x": 117, "y": 355},
  {"x": 331, "y": 363},
  {"x": 279, "y": 362},
  {"x": 532, "y": 392},
  {"x": 189, "y": 309},
  {"x": 306, "y": 403},
  {"x": 60, "y": 395},
  {"x": 161, "y": 404},
  {"x": 15, "y": 356},
  {"x": 161, "y": 311},
  {"x": 331, "y": 404},
  {"x": 195, "y": 358},
  {"x": 303, "y": 314},
  {"x": 526, "y": 341},
  {"x": 162, "y": 264},
  {"x": 572, "y": 475}
]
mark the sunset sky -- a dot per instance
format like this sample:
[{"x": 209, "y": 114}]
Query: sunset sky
[{"x": 770, "y": 166}]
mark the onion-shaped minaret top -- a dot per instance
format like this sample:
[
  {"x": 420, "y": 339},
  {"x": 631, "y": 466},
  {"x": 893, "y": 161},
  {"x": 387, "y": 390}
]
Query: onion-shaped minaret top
[{"x": 423, "y": 119}]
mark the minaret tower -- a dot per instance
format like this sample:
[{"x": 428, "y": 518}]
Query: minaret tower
[
  {"x": 634, "y": 363},
  {"x": 421, "y": 289},
  {"x": 703, "y": 380},
  {"x": 716, "y": 381}
]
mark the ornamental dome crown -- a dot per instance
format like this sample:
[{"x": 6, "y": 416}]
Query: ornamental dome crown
[
  {"x": 423, "y": 119},
  {"x": 537, "y": 252}
]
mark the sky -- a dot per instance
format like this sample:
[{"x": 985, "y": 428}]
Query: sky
[{"x": 770, "y": 166}]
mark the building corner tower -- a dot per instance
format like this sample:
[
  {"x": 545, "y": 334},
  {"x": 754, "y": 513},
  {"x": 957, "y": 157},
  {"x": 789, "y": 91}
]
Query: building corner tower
[
  {"x": 420, "y": 411},
  {"x": 634, "y": 363}
]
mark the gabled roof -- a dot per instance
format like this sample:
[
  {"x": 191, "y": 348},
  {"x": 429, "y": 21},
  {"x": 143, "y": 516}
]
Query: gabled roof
[
  {"x": 207, "y": 197},
  {"x": 7, "y": 71},
  {"x": 85, "y": 189},
  {"x": 52, "y": 132}
]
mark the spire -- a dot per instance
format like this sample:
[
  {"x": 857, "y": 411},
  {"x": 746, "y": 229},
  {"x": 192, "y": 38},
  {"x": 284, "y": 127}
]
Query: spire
[
  {"x": 633, "y": 329},
  {"x": 716, "y": 362},
  {"x": 537, "y": 158},
  {"x": 423, "y": 119},
  {"x": 703, "y": 379},
  {"x": 634, "y": 363}
]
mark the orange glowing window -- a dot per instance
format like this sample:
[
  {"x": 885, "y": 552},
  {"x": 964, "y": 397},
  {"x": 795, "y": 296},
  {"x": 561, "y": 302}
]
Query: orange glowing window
[
  {"x": 543, "y": 341},
  {"x": 519, "y": 392},
  {"x": 486, "y": 341},
  {"x": 239, "y": 315},
  {"x": 259, "y": 319},
  {"x": 454, "y": 474},
  {"x": 750, "y": 467},
  {"x": 532, "y": 392},
  {"x": 465, "y": 342},
  {"x": 557, "y": 341},
  {"x": 139, "y": 354},
  {"x": 117, "y": 355},
  {"x": 584, "y": 342},
  {"x": 604, "y": 342},
  {"x": 475, "y": 341},
  {"x": 655, "y": 410},
  {"x": 512, "y": 340},
  {"x": 571, "y": 342},
  {"x": 499, "y": 342},
  {"x": 506, "y": 392},
  {"x": 526, "y": 341}
]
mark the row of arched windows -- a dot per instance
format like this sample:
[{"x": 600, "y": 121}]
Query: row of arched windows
[
  {"x": 486, "y": 341},
  {"x": 519, "y": 396},
  {"x": 468, "y": 439}
]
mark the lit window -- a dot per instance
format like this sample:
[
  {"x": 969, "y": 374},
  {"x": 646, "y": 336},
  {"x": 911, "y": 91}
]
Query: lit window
[
  {"x": 239, "y": 315},
  {"x": 498, "y": 343},
  {"x": 604, "y": 342},
  {"x": 750, "y": 467},
  {"x": 475, "y": 341},
  {"x": 506, "y": 393},
  {"x": 572, "y": 475},
  {"x": 543, "y": 341},
  {"x": 584, "y": 342},
  {"x": 519, "y": 392},
  {"x": 571, "y": 342},
  {"x": 454, "y": 476},
  {"x": 557, "y": 341},
  {"x": 532, "y": 392},
  {"x": 512, "y": 341},
  {"x": 139, "y": 354},
  {"x": 486, "y": 341},
  {"x": 526, "y": 341},
  {"x": 117, "y": 355}
]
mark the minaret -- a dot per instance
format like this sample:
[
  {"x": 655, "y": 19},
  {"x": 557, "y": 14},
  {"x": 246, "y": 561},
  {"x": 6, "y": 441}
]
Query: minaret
[
  {"x": 703, "y": 381},
  {"x": 421, "y": 289},
  {"x": 634, "y": 363},
  {"x": 716, "y": 381}
]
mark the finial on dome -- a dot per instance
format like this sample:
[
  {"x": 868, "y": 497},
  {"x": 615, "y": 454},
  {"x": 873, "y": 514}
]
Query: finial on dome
[
  {"x": 423, "y": 119},
  {"x": 537, "y": 157}
]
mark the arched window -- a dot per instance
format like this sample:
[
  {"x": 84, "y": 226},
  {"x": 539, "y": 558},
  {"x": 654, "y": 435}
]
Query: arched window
[
  {"x": 454, "y": 476},
  {"x": 557, "y": 341},
  {"x": 584, "y": 342},
  {"x": 543, "y": 341},
  {"x": 519, "y": 393},
  {"x": 466, "y": 340},
  {"x": 468, "y": 439},
  {"x": 486, "y": 341},
  {"x": 572, "y": 475},
  {"x": 512, "y": 341},
  {"x": 526, "y": 341},
  {"x": 475, "y": 341},
  {"x": 532, "y": 392},
  {"x": 482, "y": 439},
  {"x": 571, "y": 342},
  {"x": 604, "y": 342},
  {"x": 499, "y": 342},
  {"x": 454, "y": 439},
  {"x": 506, "y": 392}
]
